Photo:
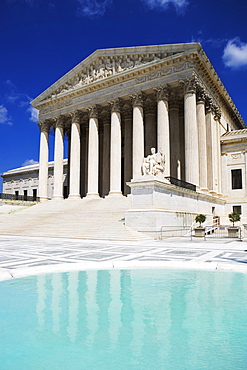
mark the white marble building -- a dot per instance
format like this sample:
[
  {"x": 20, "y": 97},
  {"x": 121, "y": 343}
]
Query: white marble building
[{"x": 116, "y": 105}]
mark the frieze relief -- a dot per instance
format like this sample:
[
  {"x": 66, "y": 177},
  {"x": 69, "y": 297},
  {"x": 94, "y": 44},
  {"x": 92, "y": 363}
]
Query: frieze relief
[
  {"x": 164, "y": 72},
  {"x": 105, "y": 67},
  {"x": 53, "y": 107}
]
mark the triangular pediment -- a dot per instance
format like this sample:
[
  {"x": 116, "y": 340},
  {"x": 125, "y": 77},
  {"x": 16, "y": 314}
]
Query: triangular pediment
[{"x": 107, "y": 63}]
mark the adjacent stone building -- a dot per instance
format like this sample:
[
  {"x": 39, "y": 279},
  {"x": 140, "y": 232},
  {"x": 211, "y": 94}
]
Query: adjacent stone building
[{"x": 119, "y": 103}]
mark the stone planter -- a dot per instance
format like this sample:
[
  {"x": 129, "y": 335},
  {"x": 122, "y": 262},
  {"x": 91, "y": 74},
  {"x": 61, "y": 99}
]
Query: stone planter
[
  {"x": 233, "y": 232},
  {"x": 200, "y": 231}
]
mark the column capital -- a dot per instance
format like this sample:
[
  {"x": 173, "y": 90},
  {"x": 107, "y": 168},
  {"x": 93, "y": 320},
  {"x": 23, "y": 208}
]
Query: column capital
[
  {"x": 217, "y": 112},
  {"x": 208, "y": 104},
  {"x": 138, "y": 99},
  {"x": 93, "y": 111},
  {"x": 116, "y": 105},
  {"x": 189, "y": 84},
  {"x": 76, "y": 116},
  {"x": 44, "y": 125},
  {"x": 163, "y": 92},
  {"x": 201, "y": 95},
  {"x": 59, "y": 121}
]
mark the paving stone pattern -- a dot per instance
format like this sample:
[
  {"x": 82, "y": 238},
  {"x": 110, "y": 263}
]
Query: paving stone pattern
[{"x": 31, "y": 252}]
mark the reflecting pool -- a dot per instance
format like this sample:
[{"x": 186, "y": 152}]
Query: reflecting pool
[{"x": 128, "y": 319}]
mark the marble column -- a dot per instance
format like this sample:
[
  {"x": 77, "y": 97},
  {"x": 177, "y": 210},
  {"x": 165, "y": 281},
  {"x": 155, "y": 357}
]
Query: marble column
[
  {"x": 43, "y": 160},
  {"x": 138, "y": 134},
  {"x": 191, "y": 132},
  {"x": 93, "y": 153},
  {"x": 75, "y": 154},
  {"x": 58, "y": 159},
  {"x": 212, "y": 180},
  {"x": 106, "y": 155},
  {"x": 202, "y": 140},
  {"x": 115, "y": 158},
  {"x": 163, "y": 131},
  {"x": 175, "y": 162},
  {"x": 127, "y": 149},
  {"x": 217, "y": 117},
  {"x": 150, "y": 137},
  {"x": 83, "y": 162}
]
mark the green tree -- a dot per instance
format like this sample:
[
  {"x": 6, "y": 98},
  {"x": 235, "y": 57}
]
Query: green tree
[
  {"x": 200, "y": 218},
  {"x": 234, "y": 217}
]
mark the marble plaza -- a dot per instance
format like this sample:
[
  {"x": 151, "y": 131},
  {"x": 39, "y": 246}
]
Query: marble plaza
[{"x": 25, "y": 256}]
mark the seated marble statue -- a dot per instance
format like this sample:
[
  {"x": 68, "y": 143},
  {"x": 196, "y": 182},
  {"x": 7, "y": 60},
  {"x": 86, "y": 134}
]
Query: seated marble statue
[{"x": 154, "y": 164}]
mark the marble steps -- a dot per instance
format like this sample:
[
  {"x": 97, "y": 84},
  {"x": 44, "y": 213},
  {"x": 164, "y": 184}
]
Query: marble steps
[{"x": 86, "y": 218}]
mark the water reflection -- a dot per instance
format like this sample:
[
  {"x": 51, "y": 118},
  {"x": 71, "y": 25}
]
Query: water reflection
[
  {"x": 41, "y": 290},
  {"x": 140, "y": 314},
  {"x": 57, "y": 291}
]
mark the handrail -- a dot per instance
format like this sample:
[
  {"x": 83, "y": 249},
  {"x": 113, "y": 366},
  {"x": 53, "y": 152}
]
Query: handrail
[
  {"x": 25, "y": 198},
  {"x": 175, "y": 229}
]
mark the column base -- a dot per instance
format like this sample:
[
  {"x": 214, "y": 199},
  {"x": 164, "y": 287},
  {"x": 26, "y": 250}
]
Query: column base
[
  {"x": 204, "y": 190},
  {"x": 212, "y": 192},
  {"x": 220, "y": 195},
  {"x": 93, "y": 195},
  {"x": 115, "y": 194},
  {"x": 57, "y": 197},
  {"x": 74, "y": 197}
]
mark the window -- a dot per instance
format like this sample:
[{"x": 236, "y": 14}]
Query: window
[
  {"x": 236, "y": 179},
  {"x": 237, "y": 209}
]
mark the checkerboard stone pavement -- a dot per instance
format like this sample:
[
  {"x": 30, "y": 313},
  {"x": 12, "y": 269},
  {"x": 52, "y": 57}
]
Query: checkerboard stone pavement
[{"x": 23, "y": 256}]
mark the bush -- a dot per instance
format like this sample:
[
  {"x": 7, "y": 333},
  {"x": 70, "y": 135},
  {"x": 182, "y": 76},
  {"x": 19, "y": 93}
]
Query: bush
[{"x": 200, "y": 218}]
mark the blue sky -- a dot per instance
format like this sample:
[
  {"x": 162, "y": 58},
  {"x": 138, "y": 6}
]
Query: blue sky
[{"x": 41, "y": 40}]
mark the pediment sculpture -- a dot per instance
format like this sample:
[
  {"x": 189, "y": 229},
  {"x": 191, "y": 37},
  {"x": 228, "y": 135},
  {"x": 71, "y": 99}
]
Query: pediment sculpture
[
  {"x": 105, "y": 67},
  {"x": 154, "y": 164}
]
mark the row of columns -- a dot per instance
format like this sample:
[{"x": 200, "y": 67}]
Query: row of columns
[{"x": 201, "y": 143}]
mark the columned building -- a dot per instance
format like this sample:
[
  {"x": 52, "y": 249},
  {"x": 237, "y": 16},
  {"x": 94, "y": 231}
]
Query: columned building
[
  {"x": 119, "y": 103},
  {"x": 152, "y": 122}
]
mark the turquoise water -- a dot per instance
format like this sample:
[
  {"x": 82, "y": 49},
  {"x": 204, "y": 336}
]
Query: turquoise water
[{"x": 130, "y": 319}]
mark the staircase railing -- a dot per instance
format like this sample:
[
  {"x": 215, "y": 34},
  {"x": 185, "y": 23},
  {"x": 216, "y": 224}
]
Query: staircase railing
[{"x": 24, "y": 198}]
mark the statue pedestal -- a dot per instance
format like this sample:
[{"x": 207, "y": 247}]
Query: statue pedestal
[{"x": 156, "y": 203}]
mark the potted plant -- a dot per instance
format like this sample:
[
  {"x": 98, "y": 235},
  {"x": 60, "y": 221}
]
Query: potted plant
[
  {"x": 233, "y": 230},
  {"x": 200, "y": 230}
]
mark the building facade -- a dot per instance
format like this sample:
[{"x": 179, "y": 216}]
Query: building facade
[{"x": 117, "y": 104}]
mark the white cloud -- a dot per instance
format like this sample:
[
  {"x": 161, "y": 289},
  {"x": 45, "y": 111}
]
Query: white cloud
[
  {"x": 14, "y": 96},
  {"x": 34, "y": 114},
  {"x": 235, "y": 53},
  {"x": 92, "y": 8},
  {"x": 4, "y": 116},
  {"x": 180, "y": 5},
  {"x": 29, "y": 162}
]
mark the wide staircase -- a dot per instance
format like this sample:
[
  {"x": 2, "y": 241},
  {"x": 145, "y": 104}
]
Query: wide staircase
[{"x": 85, "y": 218}]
